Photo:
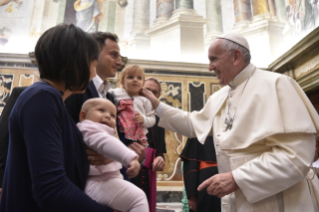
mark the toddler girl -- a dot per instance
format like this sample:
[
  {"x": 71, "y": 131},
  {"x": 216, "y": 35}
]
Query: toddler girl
[
  {"x": 135, "y": 113},
  {"x": 105, "y": 183}
]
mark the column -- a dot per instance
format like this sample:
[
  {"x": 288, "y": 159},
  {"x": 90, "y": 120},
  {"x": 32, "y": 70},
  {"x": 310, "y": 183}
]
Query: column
[
  {"x": 164, "y": 10},
  {"x": 260, "y": 10},
  {"x": 242, "y": 13},
  {"x": 140, "y": 16},
  {"x": 108, "y": 10},
  {"x": 281, "y": 10},
  {"x": 272, "y": 8},
  {"x": 61, "y": 11},
  {"x": 187, "y": 4},
  {"x": 214, "y": 14},
  {"x": 214, "y": 24}
]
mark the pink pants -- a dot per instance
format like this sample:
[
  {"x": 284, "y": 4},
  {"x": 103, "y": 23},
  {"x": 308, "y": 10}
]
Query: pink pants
[{"x": 118, "y": 194}]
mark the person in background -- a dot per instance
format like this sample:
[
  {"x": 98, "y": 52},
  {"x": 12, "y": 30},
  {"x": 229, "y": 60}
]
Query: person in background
[
  {"x": 4, "y": 135},
  {"x": 47, "y": 166},
  {"x": 154, "y": 159},
  {"x": 199, "y": 164}
]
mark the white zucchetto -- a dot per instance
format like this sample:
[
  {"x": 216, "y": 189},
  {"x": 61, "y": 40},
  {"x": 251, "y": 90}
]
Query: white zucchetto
[{"x": 236, "y": 38}]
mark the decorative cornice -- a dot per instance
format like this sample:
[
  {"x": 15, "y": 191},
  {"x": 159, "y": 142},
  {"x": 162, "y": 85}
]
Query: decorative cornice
[
  {"x": 8, "y": 60},
  {"x": 173, "y": 68},
  {"x": 304, "y": 49}
]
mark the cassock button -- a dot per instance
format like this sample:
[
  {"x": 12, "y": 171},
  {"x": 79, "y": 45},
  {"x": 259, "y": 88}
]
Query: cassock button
[
  {"x": 218, "y": 135},
  {"x": 217, "y": 144}
]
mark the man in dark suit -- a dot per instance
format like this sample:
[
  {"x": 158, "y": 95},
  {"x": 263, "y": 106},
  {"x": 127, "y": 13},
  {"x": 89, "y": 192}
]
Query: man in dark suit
[
  {"x": 146, "y": 179},
  {"x": 4, "y": 135}
]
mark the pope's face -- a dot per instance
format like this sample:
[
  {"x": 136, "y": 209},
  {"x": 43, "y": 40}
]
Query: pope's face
[{"x": 221, "y": 62}]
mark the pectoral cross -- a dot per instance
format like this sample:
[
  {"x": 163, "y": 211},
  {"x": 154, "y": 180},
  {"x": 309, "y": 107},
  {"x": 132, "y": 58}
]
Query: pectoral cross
[{"x": 229, "y": 123}]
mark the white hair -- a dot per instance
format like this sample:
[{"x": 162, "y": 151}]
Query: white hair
[{"x": 230, "y": 46}]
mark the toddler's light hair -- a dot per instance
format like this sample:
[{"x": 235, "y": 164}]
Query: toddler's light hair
[{"x": 130, "y": 68}]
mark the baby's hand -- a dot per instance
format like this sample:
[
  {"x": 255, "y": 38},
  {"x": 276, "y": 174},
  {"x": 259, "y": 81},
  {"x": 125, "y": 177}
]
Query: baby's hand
[
  {"x": 138, "y": 118},
  {"x": 133, "y": 168}
]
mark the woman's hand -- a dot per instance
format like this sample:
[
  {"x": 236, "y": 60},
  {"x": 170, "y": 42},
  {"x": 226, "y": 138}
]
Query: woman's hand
[
  {"x": 148, "y": 94},
  {"x": 96, "y": 158}
]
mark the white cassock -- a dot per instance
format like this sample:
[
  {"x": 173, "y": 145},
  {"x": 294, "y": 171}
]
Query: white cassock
[{"x": 270, "y": 146}]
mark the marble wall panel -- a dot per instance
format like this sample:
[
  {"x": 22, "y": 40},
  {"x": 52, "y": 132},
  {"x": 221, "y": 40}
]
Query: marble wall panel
[
  {"x": 196, "y": 96},
  {"x": 10, "y": 78},
  {"x": 6, "y": 85},
  {"x": 26, "y": 79}
]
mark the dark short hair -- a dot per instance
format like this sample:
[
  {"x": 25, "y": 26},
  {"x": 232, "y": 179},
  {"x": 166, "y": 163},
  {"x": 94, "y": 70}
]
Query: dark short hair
[
  {"x": 65, "y": 52},
  {"x": 100, "y": 37}
]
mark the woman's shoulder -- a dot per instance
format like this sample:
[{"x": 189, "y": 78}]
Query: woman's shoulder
[{"x": 41, "y": 93}]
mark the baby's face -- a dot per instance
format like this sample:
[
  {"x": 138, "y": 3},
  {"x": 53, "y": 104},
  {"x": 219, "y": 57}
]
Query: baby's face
[{"x": 103, "y": 112}]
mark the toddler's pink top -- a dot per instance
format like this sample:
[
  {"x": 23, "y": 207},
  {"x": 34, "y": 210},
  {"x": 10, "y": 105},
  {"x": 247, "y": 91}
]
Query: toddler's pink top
[{"x": 100, "y": 138}]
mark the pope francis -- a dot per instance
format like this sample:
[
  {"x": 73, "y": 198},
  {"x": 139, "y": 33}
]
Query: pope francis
[{"x": 263, "y": 126}]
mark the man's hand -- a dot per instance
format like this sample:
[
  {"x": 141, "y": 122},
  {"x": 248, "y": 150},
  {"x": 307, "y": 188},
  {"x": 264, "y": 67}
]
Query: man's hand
[
  {"x": 96, "y": 158},
  {"x": 148, "y": 94},
  {"x": 192, "y": 203},
  {"x": 219, "y": 185},
  {"x": 139, "y": 149},
  {"x": 158, "y": 164},
  {"x": 133, "y": 168},
  {"x": 138, "y": 118}
]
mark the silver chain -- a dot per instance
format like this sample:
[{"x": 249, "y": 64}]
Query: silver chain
[{"x": 229, "y": 120}]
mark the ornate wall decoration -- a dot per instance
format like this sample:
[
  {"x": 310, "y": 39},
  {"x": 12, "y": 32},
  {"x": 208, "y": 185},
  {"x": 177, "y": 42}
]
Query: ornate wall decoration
[
  {"x": 6, "y": 84},
  {"x": 196, "y": 95},
  {"x": 171, "y": 95},
  {"x": 214, "y": 87},
  {"x": 26, "y": 79}
]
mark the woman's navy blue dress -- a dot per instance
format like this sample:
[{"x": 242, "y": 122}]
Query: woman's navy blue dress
[{"x": 47, "y": 165}]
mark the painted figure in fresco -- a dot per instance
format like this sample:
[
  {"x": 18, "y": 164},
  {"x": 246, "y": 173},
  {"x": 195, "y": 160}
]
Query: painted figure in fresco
[
  {"x": 5, "y": 34},
  {"x": 164, "y": 7},
  {"x": 302, "y": 15},
  {"x": 88, "y": 14},
  {"x": 10, "y": 8}
]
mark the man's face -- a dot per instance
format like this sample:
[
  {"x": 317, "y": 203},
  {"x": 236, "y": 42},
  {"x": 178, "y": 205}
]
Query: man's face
[
  {"x": 153, "y": 87},
  {"x": 109, "y": 60},
  {"x": 221, "y": 62}
]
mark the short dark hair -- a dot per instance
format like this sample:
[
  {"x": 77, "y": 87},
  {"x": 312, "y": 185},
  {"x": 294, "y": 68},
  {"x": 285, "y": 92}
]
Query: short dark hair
[
  {"x": 100, "y": 37},
  {"x": 65, "y": 52}
]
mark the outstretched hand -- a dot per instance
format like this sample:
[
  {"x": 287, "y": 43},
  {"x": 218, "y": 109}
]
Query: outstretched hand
[
  {"x": 148, "y": 94},
  {"x": 220, "y": 184}
]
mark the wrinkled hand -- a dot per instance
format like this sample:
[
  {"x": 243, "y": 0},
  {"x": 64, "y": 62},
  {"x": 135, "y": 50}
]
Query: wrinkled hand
[
  {"x": 139, "y": 149},
  {"x": 148, "y": 94},
  {"x": 158, "y": 164},
  {"x": 138, "y": 118},
  {"x": 133, "y": 168},
  {"x": 96, "y": 158},
  {"x": 192, "y": 203},
  {"x": 219, "y": 185}
]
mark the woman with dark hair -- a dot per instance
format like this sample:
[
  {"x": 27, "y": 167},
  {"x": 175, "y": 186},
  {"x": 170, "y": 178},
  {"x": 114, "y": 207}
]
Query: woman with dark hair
[{"x": 47, "y": 165}]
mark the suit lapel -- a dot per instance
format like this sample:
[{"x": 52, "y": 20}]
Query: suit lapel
[{"x": 93, "y": 90}]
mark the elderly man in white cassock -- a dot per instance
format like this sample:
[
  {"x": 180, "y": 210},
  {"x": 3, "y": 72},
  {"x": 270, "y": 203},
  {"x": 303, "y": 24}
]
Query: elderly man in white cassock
[{"x": 263, "y": 126}]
